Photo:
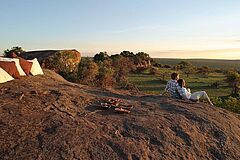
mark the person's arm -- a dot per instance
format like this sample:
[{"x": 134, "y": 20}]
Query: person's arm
[
  {"x": 188, "y": 93},
  {"x": 165, "y": 90},
  {"x": 163, "y": 93},
  {"x": 182, "y": 92}
]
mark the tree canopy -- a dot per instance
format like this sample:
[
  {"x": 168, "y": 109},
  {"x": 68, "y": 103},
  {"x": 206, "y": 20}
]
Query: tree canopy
[
  {"x": 101, "y": 56},
  {"x": 17, "y": 50}
]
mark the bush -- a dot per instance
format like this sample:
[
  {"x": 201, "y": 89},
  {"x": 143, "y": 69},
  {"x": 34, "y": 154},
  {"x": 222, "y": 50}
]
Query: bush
[
  {"x": 102, "y": 56},
  {"x": 69, "y": 76},
  {"x": 217, "y": 101},
  {"x": 14, "y": 50},
  {"x": 61, "y": 62},
  {"x": 140, "y": 70},
  {"x": 87, "y": 71},
  {"x": 105, "y": 75},
  {"x": 233, "y": 78},
  {"x": 153, "y": 71},
  {"x": 231, "y": 103},
  {"x": 167, "y": 66},
  {"x": 107, "y": 71},
  {"x": 122, "y": 66},
  {"x": 155, "y": 64},
  {"x": 215, "y": 84}
]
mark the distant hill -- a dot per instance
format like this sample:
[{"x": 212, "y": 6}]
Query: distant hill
[
  {"x": 213, "y": 63},
  {"x": 46, "y": 117}
]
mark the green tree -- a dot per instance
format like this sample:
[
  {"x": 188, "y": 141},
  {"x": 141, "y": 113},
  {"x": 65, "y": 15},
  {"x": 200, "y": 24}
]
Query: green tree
[
  {"x": 233, "y": 78},
  {"x": 153, "y": 71},
  {"x": 156, "y": 64},
  {"x": 87, "y": 71},
  {"x": 177, "y": 67},
  {"x": 102, "y": 56},
  {"x": 204, "y": 70},
  {"x": 14, "y": 50},
  {"x": 105, "y": 74},
  {"x": 122, "y": 66},
  {"x": 184, "y": 64},
  {"x": 186, "y": 67},
  {"x": 127, "y": 54},
  {"x": 142, "y": 61},
  {"x": 189, "y": 70},
  {"x": 115, "y": 57}
]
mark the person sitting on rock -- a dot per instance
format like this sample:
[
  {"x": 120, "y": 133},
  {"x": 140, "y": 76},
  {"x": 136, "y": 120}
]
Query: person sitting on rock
[
  {"x": 187, "y": 95},
  {"x": 172, "y": 86}
]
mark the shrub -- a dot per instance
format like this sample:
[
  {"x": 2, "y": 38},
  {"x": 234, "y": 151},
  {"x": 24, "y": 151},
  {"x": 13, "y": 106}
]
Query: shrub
[
  {"x": 87, "y": 71},
  {"x": 215, "y": 84},
  {"x": 105, "y": 75},
  {"x": 61, "y": 62},
  {"x": 122, "y": 66},
  {"x": 153, "y": 71},
  {"x": 231, "y": 103},
  {"x": 233, "y": 78},
  {"x": 127, "y": 54},
  {"x": 14, "y": 50},
  {"x": 155, "y": 64},
  {"x": 69, "y": 76},
  {"x": 217, "y": 101},
  {"x": 140, "y": 70},
  {"x": 167, "y": 66},
  {"x": 204, "y": 70},
  {"x": 102, "y": 56}
]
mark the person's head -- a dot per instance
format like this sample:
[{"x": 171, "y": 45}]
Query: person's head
[
  {"x": 175, "y": 76},
  {"x": 181, "y": 82}
]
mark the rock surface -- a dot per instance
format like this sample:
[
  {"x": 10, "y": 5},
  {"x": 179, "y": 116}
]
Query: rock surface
[
  {"x": 46, "y": 117},
  {"x": 57, "y": 60}
]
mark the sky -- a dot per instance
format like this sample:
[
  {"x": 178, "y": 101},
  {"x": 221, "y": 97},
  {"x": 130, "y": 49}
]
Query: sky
[{"x": 162, "y": 28}]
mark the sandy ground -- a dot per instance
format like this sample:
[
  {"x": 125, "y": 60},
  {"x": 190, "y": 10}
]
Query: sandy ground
[{"x": 46, "y": 117}]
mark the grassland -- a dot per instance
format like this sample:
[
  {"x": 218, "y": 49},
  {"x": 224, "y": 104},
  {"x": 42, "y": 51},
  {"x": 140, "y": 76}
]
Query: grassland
[
  {"x": 153, "y": 84},
  {"x": 212, "y": 63}
]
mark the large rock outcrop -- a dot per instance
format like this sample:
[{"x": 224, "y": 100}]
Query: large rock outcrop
[
  {"x": 57, "y": 60},
  {"x": 46, "y": 117}
]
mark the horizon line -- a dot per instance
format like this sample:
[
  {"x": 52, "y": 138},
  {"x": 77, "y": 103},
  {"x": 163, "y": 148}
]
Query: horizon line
[
  {"x": 184, "y": 58},
  {"x": 154, "y": 54}
]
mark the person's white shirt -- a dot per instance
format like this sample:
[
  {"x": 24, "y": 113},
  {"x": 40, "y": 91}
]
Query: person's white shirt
[{"x": 186, "y": 93}]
